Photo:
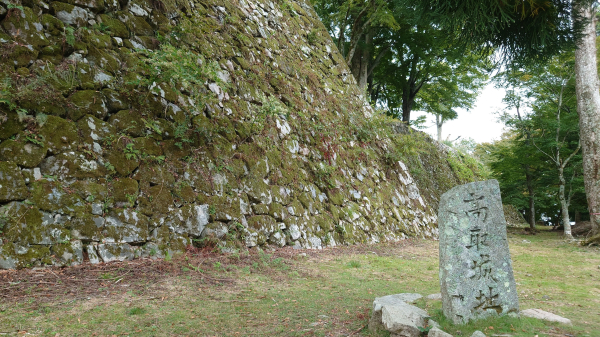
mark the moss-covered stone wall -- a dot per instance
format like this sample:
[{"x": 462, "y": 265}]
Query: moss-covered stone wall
[{"x": 137, "y": 128}]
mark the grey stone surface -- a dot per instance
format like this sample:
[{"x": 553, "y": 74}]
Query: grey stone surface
[
  {"x": 189, "y": 220},
  {"x": 408, "y": 297},
  {"x": 435, "y": 332},
  {"x": 393, "y": 314},
  {"x": 115, "y": 252},
  {"x": 476, "y": 276},
  {"x": 434, "y": 297},
  {"x": 433, "y": 324},
  {"x": 478, "y": 334},
  {"x": 546, "y": 316},
  {"x": 403, "y": 320}
]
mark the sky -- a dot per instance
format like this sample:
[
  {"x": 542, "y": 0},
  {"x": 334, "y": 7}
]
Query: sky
[{"x": 480, "y": 123}]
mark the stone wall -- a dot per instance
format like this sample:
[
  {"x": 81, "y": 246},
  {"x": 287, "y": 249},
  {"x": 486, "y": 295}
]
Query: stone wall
[{"x": 137, "y": 128}]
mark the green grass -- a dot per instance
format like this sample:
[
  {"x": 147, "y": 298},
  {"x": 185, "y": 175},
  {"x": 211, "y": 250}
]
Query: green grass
[{"x": 327, "y": 293}]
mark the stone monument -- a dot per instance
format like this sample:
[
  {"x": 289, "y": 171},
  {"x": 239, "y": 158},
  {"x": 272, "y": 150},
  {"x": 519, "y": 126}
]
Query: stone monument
[{"x": 476, "y": 276}]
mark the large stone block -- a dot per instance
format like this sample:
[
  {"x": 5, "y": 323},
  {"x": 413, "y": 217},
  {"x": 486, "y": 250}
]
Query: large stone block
[
  {"x": 476, "y": 274},
  {"x": 12, "y": 185}
]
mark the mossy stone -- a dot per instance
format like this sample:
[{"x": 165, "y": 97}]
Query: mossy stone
[
  {"x": 260, "y": 209},
  {"x": 175, "y": 150},
  {"x": 51, "y": 53},
  {"x": 90, "y": 191},
  {"x": 50, "y": 196},
  {"x": 147, "y": 146},
  {"x": 129, "y": 122},
  {"x": 52, "y": 25},
  {"x": 115, "y": 101},
  {"x": 105, "y": 60},
  {"x": 223, "y": 208},
  {"x": 87, "y": 102},
  {"x": 184, "y": 192},
  {"x": 24, "y": 256},
  {"x": 295, "y": 208},
  {"x": 336, "y": 196},
  {"x": 127, "y": 226},
  {"x": 28, "y": 225},
  {"x": 95, "y": 6},
  {"x": 136, "y": 24},
  {"x": 263, "y": 223},
  {"x": 258, "y": 191},
  {"x": 20, "y": 55},
  {"x": 280, "y": 194},
  {"x": 278, "y": 212},
  {"x": 22, "y": 153},
  {"x": 12, "y": 185},
  {"x": 125, "y": 190},
  {"x": 11, "y": 125},
  {"x": 117, "y": 157},
  {"x": 160, "y": 21},
  {"x": 71, "y": 165},
  {"x": 96, "y": 40},
  {"x": 94, "y": 130},
  {"x": 115, "y": 26},
  {"x": 154, "y": 174},
  {"x": 67, "y": 254},
  {"x": 155, "y": 200},
  {"x": 59, "y": 135},
  {"x": 24, "y": 26}
]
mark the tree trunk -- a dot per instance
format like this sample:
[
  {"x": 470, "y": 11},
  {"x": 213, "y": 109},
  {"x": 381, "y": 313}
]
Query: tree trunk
[
  {"x": 531, "y": 192},
  {"x": 587, "y": 87},
  {"x": 439, "y": 121},
  {"x": 564, "y": 206},
  {"x": 407, "y": 103},
  {"x": 361, "y": 61}
]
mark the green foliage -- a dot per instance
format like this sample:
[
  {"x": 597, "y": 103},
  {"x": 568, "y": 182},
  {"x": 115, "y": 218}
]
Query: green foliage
[
  {"x": 181, "y": 68},
  {"x": 69, "y": 35},
  {"x": 521, "y": 30},
  {"x": 34, "y": 138},
  {"x": 6, "y": 93},
  {"x": 152, "y": 126},
  {"x": 543, "y": 134},
  {"x": 131, "y": 152}
]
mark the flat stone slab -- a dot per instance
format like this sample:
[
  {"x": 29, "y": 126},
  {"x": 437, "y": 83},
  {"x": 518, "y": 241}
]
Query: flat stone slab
[
  {"x": 435, "y": 332},
  {"x": 476, "y": 276},
  {"x": 546, "y": 316},
  {"x": 394, "y": 314},
  {"x": 434, "y": 297}
]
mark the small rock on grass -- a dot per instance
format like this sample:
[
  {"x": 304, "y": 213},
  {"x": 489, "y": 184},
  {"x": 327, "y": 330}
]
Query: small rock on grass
[
  {"x": 546, "y": 316},
  {"x": 478, "y": 334},
  {"x": 435, "y": 297},
  {"x": 435, "y": 332}
]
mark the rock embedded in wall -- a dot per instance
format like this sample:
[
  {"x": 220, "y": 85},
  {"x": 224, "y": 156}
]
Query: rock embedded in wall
[{"x": 476, "y": 274}]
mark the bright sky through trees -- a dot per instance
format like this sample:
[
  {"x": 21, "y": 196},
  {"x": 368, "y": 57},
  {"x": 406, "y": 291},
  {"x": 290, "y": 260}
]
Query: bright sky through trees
[{"x": 480, "y": 123}]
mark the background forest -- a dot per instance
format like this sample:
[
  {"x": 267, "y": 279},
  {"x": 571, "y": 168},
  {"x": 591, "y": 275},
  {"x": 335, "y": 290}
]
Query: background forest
[{"x": 406, "y": 61}]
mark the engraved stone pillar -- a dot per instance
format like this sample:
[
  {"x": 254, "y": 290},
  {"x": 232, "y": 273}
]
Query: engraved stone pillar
[{"x": 476, "y": 276}]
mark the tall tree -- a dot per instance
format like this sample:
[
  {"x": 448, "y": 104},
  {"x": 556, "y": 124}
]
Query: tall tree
[
  {"x": 394, "y": 56},
  {"x": 588, "y": 108},
  {"x": 530, "y": 30},
  {"x": 550, "y": 128},
  {"x": 360, "y": 29}
]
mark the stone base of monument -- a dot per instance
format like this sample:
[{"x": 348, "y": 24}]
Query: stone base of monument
[{"x": 394, "y": 313}]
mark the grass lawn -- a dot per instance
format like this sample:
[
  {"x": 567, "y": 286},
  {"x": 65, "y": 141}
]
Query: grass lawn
[{"x": 289, "y": 292}]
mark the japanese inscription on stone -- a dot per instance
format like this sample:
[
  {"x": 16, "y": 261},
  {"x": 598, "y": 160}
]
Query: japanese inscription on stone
[{"x": 476, "y": 275}]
